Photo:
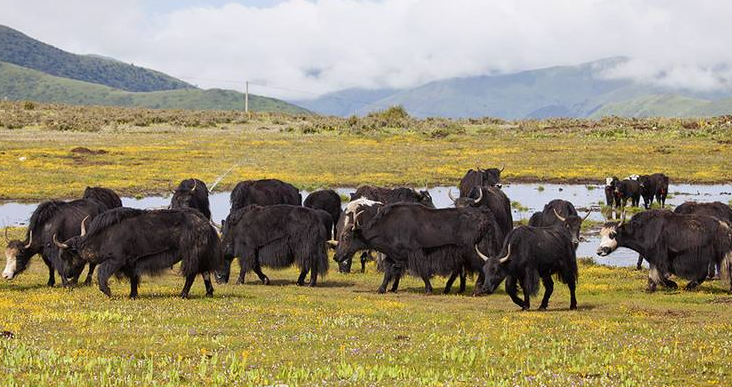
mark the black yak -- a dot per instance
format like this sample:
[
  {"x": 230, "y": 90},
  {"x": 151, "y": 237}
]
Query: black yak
[
  {"x": 492, "y": 198},
  {"x": 610, "y": 198},
  {"x": 684, "y": 245},
  {"x": 529, "y": 254},
  {"x": 478, "y": 177},
  {"x": 191, "y": 193},
  {"x": 108, "y": 198},
  {"x": 328, "y": 201},
  {"x": 51, "y": 218},
  {"x": 421, "y": 240},
  {"x": 265, "y": 192},
  {"x": 716, "y": 210},
  {"x": 628, "y": 189},
  {"x": 132, "y": 242},
  {"x": 560, "y": 212},
  {"x": 655, "y": 185},
  {"x": 276, "y": 236}
]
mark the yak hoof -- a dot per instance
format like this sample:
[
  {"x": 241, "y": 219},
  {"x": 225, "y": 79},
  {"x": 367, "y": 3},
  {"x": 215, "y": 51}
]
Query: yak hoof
[
  {"x": 184, "y": 296},
  {"x": 573, "y": 307},
  {"x": 674, "y": 285},
  {"x": 265, "y": 281},
  {"x": 543, "y": 308},
  {"x": 209, "y": 294},
  {"x": 381, "y": 291},
  {"x": 107, "y": 292}
]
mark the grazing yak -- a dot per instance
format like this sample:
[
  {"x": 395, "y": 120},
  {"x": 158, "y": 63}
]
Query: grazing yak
[
  {"x": 531, "y": 253},
  {"x": 560, "y": 212},
  {"x": 276, "y": 236},
  {"x": 628, "y": 189},
  {"x": 191, "y": 193},
  {"x": 421, "y": 240},
  {"x": 610, "y": 198},
  {"x": 265, "y": 192},
  {"x": 684, "y": 245},
  {"x": 395, "y": 195},
  {"x": 132, "y": 242},
  {"x": 477, "y": 177},
  {"x": 717, "y": 210},
  {"x": 105, "y": 196},
  {"x": 328, "y": 201},
  {"x": 655, "y": 185},
  {"x": 51, "y": 218}
]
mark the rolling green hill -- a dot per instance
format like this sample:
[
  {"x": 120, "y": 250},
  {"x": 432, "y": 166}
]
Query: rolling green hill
[
  {"x": 665, "y": 105},
  {"x": 21, "y": 50},
  {"x": 19, "y": 83}
]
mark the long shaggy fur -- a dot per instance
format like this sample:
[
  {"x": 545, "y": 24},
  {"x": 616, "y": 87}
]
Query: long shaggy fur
[
  {"x": 42, "y": 214},
  {"x": 105, "y": 196}
]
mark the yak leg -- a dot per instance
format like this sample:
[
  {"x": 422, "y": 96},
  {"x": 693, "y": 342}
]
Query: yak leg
[
  {"x": 639, "y": 265},
  {"x": 89, "y": 274},
  {"x": 207, "y": 281},
  {"x": 572, "y": 296},
  {"x": 222, "y": 274},
  {"x": 695, "y": 283},
  {"x": 364, "y": 258},
  {"x": 187, "y": 286},
  {"x": 712, "y": 270},
  {"x": 463, "y": 279},
  {"x": 397, "y": 275},
  {"x": 385, "y": 282},
  {"x": 51, "y": 273},
  {"x": 313, "y": 277},
  {"x": 512, "y": 290},
  {"x": 548, "y": 290},
  {"x": 450, "y": 281},
  {"x": 427, "y": 284},
  {"x": 301, "y": 278},
  {"x": 106, "y": 270},
  {"x": 134, "y": 281},
  {"x": 258, "y": 271}
]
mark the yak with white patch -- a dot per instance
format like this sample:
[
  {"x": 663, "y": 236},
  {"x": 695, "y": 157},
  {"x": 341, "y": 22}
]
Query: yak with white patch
[
  {"x": 192, "y": 193},
  {"x": 683, "y": 245},
  {"x": 394, "y": 195},
  {"x": 655, "y": 185},
  {"x": 51, "y": 218},
  {"x": 277, "y": 236},
  {"x": 610, "y": 199},
  {"x": 478, "y": 177},
  {"x": 328, "y": 201},
  {"x": 532, "y": 253},
  {"x": 133, "y": 242},
  {"x": 420, "y": 240}
]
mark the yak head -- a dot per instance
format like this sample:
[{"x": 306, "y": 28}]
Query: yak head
[
  {"x": 17, "y": 255},
  {"x": 185, "y": 194},
  {"x": 611, "y": 181},
  {"x": 424, "y": 198},
  {"x": 468, "y": 201},
  {"x": 609, "y": 236},
  {"x": 350, "y": 239},
  {"x": 70, "y": 253},
  {"x": 573, "y": 224},
  {"x": 492, "y": 176},
  {"x": 495, "y": 270}
]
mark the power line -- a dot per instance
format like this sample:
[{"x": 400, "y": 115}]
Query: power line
[{"x": 381, "y": 106}]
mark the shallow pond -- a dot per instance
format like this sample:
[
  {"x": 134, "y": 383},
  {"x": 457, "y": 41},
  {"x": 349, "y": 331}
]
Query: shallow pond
[{"x": 531, "y": 198}]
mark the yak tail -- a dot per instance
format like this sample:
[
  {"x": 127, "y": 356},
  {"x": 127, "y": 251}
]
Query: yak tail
[
  {"x": 205, "y": 255},
  {"x": 725, "y": 268}
]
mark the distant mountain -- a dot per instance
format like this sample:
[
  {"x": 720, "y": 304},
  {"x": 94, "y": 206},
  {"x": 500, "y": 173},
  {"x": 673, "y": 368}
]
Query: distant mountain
[
  {"x": 345, "y": 102},
  {"x": 19, "y": 49},
  {"x": 19, "y": 83},
  {"x": 561, "y": 91}
]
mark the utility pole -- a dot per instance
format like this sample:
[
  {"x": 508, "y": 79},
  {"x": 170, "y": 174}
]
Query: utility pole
[{"x": 246, "y": 99}]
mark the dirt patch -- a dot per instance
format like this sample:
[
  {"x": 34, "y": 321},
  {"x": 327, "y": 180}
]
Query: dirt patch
[
  {"x": 86, "y": 151},
  {"x": 721, "y": 300}
]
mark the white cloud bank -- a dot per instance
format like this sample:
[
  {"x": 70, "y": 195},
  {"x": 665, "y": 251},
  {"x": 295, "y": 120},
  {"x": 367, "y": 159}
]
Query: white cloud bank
[{"x": 326, "y": 45}]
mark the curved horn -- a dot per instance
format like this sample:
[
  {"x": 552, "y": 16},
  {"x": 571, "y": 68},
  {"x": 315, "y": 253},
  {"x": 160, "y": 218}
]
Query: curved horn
[
  {"x": 480, "y": 197},
  {"x": 481, "y": 255},
  {"x": 503, "y": 166},
  {"x": 170, "y": 188},
  {"x": 355, "y": 218},
  {"x": 508, "y": 255},
  {"x": 559, "y": 216},
  {"x": 622, "y": 218},
  {"x": 83, "y": 226},
  {"x": 449, "y": 194},
  {"x": 6, "y": 235},
  {"x": 588, "y": 215},
  {"x": 30, "y": 240},
  {"x": 195, "y": 184},
  {"x": 59, "y": 244}
]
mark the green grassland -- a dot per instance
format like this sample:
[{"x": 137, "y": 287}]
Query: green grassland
[
  {"x": 144, "y": 149},
  {"x": 342, "y": 333}
]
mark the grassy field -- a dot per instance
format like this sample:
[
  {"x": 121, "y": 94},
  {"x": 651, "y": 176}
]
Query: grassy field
[
  {"x": 138, "y": 151},
  {"x": 344, "y": 334}
]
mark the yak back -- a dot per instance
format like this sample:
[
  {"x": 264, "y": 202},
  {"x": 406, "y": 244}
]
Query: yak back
[
  {"x": 717, "y": 210},
  {"x": 108, "y": 198},
  {"x": 547, "y": 217},
  {"x": 265, "y": 192}
]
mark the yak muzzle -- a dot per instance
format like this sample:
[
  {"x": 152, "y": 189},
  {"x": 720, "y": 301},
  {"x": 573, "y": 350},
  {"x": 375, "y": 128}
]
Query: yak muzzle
[{"x": 604, "y": 251}]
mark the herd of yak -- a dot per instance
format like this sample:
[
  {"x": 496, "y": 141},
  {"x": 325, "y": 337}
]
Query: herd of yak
[{"x": 270, "y": 226}]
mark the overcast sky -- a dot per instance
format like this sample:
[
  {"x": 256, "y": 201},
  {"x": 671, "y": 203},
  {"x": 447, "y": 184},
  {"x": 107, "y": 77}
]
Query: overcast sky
[{"x": 325, "y": 45}]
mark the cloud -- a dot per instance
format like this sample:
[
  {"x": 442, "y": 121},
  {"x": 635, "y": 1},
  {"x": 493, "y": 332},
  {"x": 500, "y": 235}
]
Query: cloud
[{"x": 301, "y": 48}]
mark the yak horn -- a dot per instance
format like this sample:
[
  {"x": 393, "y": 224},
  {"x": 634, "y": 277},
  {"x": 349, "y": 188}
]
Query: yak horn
[
  {"x": 83, "y": 226},
  {"x": 480, "y": 197},
  {"x": 622, "y": 218},
  {"x": 559, "y": 216},
  {"x": 333, "y": 243},
  {"x": 481, "y": 255},
  {"x": 449, "y": 194},
  {"x": 503, "y": 166},
  {"x": 59, "y": 244},
  {"x": 195, "y": 184},
  {"x": 355, "y": 218},
  {"x": 508, "y": 255},
  {"x": 30, "y": 239},
  {"x": 479, "y": 170}
]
